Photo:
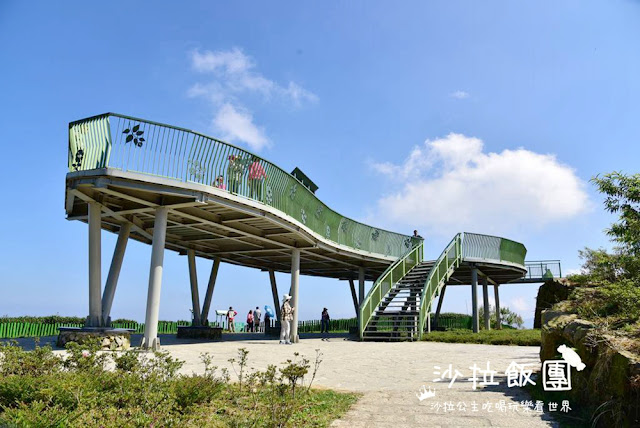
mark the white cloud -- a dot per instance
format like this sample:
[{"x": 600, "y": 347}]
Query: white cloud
[
  {"x": 460, "y": 95},
  {"x": 298, "y": 94},
  {"x": 232, "y": 75},
  {"x": 237, "y": 125},
  {"x": 451, "y": 185},
  {"x": 520, "y": 305}
]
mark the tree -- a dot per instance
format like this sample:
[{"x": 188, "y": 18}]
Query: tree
[
  {"x": 507, "y": 317},
  {"x": 623, "y": 197}
]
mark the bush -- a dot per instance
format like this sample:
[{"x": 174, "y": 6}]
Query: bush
[
  {"x": 50, "y": 319},
  {"x": 39, "y": 388},
  {"x": 489, "y": 337}
]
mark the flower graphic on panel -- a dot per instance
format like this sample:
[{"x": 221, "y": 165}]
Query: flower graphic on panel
[
  {"x": 327, "y": 232},
  {"x": 343, "y": 225},
  {"x": 319, "y": 211},
  {"x": 292, "y": 191},
  {"x": 78, "y": 161},
  {"x": 375, "y": 234},
  {"x": 407, "y": 242},
  {"x": 303, "y": 215},
  {"x": 269, "y": 195},
  {"x": 197, "y": 169},
  {"x": 134, "y": 134}
]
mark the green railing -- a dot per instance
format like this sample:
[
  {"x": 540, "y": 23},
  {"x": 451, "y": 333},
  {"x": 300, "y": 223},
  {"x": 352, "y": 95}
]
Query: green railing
[
  {"x": 468, "y": 247},
  {"x": 444, "y": 266},
  {"x": 137, "y": 145},
  {"x": 337, "y": 325},
  {"x": 492, "y": 248},
  {"x": 542, "y": 270},
  {"x": 13, "y": 330},
  {"x": 386, "y": 281}
]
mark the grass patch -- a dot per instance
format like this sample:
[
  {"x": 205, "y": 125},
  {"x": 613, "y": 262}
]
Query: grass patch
[
  {"x": 39, "y": 388},
  {"x": 530, "y": 337}
]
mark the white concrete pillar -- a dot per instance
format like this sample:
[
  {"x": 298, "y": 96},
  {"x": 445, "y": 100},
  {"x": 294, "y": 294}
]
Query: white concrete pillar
[
  {"x": 485, "y": 297},
  {"x": 498, "y": 316},
  {"x": 114, "y": 272},
  {"x": 274, "y": 291},
  {"x": 474, "y": 300},
  {"x": 295, "y": 285},
  {"x": 204, "y": 316},
  {"x": 195, "y": 294},
  {"x": 95, "y": 282},
  {"x": 360, "y": 285},
  {"x": 150, "y": 340}
]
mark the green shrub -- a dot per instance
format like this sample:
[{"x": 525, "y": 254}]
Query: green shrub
[
  {"x": 489, "y": 337},
  {"x": 39, "y": 388}
]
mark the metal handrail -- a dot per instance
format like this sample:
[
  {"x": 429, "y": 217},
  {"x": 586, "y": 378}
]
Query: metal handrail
[
  {"x": 386, "y": 281},
  {"x": 127, "y": 143},
  {"x": 439, "y": 274},
  {"x": 493, "y": 248},
  {"x": 548, "y": 269}
]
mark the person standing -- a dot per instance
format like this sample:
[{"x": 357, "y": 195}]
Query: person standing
[
  {"x": 255, "y": 179},
  {"x": 267, "y": 321},
  {"x": 257, "y": 314},
  {"x": 231, "y": 314},
  {"x": 287, "y": 318},
  {"x": 324, "y": 322},
  {"x": 250, "y": 321}
]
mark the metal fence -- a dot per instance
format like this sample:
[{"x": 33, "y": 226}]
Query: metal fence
[
  {"x": 492, "y": 248},
  {"x": 137, "y": 145},
  {"x": 543, "y": 269},
  {"x": 14, "y": 330}
]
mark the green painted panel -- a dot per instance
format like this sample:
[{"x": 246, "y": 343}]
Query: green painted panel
[{"x": 138, "y": 145}]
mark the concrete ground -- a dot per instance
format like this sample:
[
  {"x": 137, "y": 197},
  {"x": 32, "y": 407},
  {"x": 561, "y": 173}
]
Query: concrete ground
[{"x": 389, "y": 375}]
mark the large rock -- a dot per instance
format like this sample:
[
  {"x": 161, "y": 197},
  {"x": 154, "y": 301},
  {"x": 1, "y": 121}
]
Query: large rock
[
  {"x": 610, "y": 375},
  {"x": 109, "y": 339},
  {"x": 549, "y": 293}
]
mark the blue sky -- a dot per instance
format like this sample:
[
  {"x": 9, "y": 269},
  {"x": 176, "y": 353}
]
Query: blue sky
[{"x": 478, "y": 116}]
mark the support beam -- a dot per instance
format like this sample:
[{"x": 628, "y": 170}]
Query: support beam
[
  {"x": 114, "y": 272},
  {"x": 498, "y": 317},
  {"x": 485, "y": 298},
  {"x": 361, "y": 285},
  {"x": 439, "y": 307},
  {"x": 95, "y": 282},
  {"x": 204, "y": 316},
  {"x": 193, "y": 279},
  {"x": 356, "y": 306},
  {"x": 274, "y": 291},
  {"x": 150, "y": 340},
  {"x": 474, "y": 300},
  {"x": 295, "y": 285}
]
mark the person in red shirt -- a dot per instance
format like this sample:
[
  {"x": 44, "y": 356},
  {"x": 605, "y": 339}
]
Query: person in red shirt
[
  {"x": 250, "y": 321},
  {"x": 257, "y": 175}
]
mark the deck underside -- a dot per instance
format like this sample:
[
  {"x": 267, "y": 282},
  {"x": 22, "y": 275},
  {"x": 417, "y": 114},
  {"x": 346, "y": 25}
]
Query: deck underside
[{"x": 214, "y": 223}]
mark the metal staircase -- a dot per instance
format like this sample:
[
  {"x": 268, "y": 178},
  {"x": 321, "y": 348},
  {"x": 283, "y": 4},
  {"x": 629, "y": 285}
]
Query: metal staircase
[
  {"x": 398, "y": 314},
  {"x": 400, "y": 300}
]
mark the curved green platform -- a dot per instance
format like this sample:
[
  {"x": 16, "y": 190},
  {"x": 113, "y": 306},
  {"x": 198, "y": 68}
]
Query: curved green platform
[
  {"x": 228, "y": 204},
  {"x": 131, "y": 144}
]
